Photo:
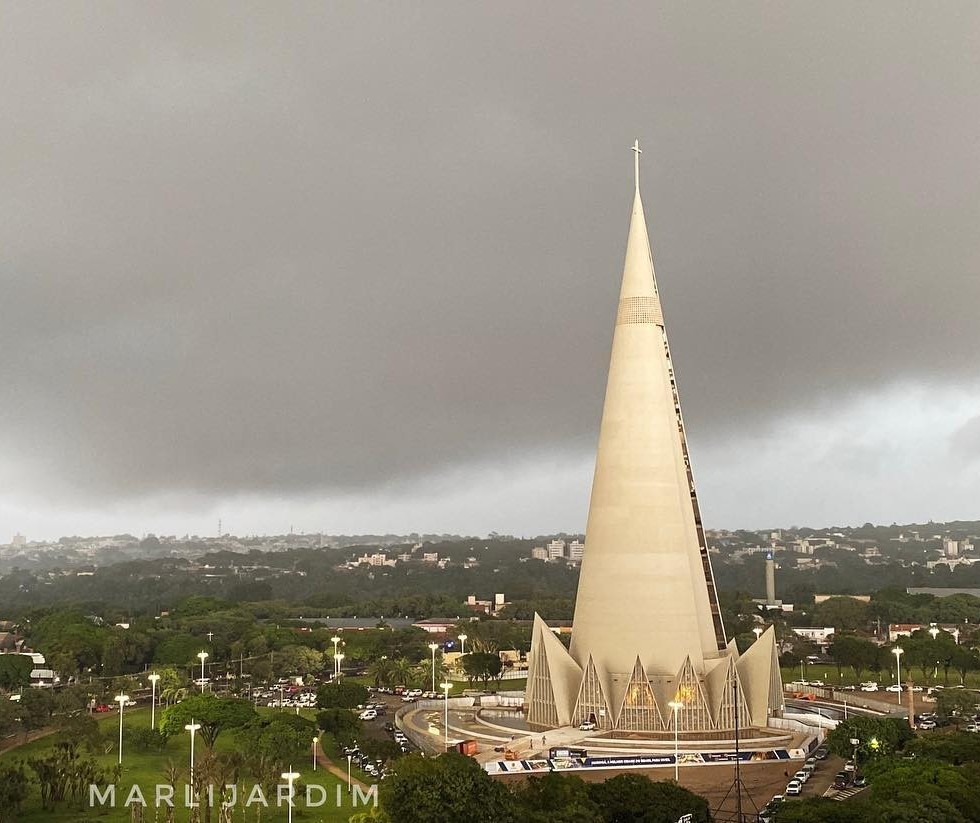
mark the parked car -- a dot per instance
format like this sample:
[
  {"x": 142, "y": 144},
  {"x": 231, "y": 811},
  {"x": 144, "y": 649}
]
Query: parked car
[
  {"x": 869, "y": 686},
  {"x": 926, "y": 725},
  {"x": 970, "y": 727},
  {"x": 794, "y": 788},
  {"x": 821, "y": 753},
  {"x": 586, "y": 726},
  {"x": 102, "y": 708},
  {"x": 368, "y": 714},
  {"x": 842, "y": 780},
  {"x": 802, "y": 775},
  {"x": 860, "y": 781}
]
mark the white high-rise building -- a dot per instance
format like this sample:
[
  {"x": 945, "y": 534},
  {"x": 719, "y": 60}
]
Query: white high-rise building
[{"x": 556, "y": 550}]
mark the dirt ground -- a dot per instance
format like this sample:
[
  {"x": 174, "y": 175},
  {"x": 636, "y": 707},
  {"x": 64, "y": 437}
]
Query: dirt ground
[{"x": 761, "y": 780}]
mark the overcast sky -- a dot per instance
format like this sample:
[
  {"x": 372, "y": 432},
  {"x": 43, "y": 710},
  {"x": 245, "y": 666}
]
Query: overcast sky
[{"x": 354, "y": 267}]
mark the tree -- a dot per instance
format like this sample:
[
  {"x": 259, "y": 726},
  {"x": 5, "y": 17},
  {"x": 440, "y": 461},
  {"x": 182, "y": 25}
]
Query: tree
[
  {"x": 9, "y": 717},
  {"x": 215, "y": 714},
  {"x": 445, "y": 789},
  {"x": 299, "y": 659},
  {"x": 401, "y": 671},
  {"x": 556, "y": 798},
  {"x": 14, "y": 786},
  {"x": 964, "y": 660},
  {"x": 342, "y": 724},
  {"x": 905, "y": 783},
  {"x": 36, "y": 707},
  {"x": 956, "y": 703},
  {"x": 342, "y": 694},
  {"x": 879, "y": 736},
  {"x": 276, "y": 740},
  {"x": 634, "y": 797},
  {"x": 855, "y": 652},
  {"x": 380, "y": 671},
  {"x": 15, "y": 671},
  {"x": 481, "y": 666}
]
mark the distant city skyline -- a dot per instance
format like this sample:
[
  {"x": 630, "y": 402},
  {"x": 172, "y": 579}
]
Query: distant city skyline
[{"x": 354, "y": 269}]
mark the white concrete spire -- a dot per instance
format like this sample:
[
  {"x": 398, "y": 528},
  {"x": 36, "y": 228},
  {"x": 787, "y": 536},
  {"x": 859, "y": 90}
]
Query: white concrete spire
[{"x": 646, "y": 590}]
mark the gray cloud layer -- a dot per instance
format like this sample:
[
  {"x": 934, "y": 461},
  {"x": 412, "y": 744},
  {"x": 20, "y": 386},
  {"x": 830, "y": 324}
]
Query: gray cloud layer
[{"x": 280, "y": 248}]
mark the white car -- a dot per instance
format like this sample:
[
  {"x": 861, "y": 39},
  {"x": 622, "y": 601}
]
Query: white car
[
  {"x": 926, "y": 725},
  {"x": 802, "y": 776},
  {"x": 794, "y": 788},
  {"x": 586, "y": 726},
  {"x": 368, "y": 714},
  {"x": 972, "y": 727},
  {"x": 869, "y": 687},
  {"x": 894, "y": 687}
]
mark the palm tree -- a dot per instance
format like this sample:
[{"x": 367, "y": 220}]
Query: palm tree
[
  {"x": 381, "y": 671},
  {"x": 402, "y": 671},
  {"x": 173, "y": 694}
]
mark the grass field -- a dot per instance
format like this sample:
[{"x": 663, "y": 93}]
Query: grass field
[
  {"x": 828, "y": 674},
  {"x": 147, "y": 769}
]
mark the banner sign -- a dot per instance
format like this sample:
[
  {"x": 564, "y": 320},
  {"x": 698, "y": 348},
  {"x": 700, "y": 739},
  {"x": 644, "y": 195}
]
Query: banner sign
[{"x": 634, "y": 761}]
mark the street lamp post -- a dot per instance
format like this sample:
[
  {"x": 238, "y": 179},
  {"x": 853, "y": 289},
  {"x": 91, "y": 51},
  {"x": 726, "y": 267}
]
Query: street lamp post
[
  {"x": 289, "y": 777},
  {"x": 121, "y": 700},
  {"x": 758, "y": 632},
  {"x": 446, "y": 688},
  {"x": 855, "y": 742},
  {"x": 676, "y": 706},
  {"x": 340, "y": 663},
  {"x": 192, "y": 727},
  {"x": 348, "y": 775},
  {"x": 898, "y": 651},
  {"x": 956, "y": 636},
  {"x": 462, "y": 644},
  {"x": 153, "y": 678},
  {"x": 336, "y": 642},
  {"x": 315, "y": 741},
  {"x": 202, "y": 656},
  {"x": 433, "y": 647}
]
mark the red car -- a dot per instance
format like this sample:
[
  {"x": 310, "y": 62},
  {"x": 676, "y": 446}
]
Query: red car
[{"x": 102, "y": 708}]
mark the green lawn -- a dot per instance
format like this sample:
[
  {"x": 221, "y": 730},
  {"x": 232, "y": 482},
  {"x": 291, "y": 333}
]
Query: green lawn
[
  {"x": 149, "y": 768},
  {"x": 828, "y": 674}
]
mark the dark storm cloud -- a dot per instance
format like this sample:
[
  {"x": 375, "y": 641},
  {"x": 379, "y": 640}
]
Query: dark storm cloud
[{"x": 285, "y": 247}]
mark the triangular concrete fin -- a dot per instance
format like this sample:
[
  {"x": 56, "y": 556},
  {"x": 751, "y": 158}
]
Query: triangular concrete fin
[
  {"x": 553, "y": 679},
  {"x": 758, "y": 670},
  {"x": 591, "y": 703},
  {"x": 695, "y": 716},
  {"x": 638, "y": 710},
  {"x": 722, "y": 689}
]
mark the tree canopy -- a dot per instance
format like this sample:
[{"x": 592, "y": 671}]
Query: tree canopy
[{"x": 214, "y": 714}]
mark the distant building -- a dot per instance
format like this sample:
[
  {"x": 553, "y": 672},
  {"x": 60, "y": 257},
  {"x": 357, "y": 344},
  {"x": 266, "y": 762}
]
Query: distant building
[
  {"x": 576, "y": 550},
  {"x": 940, "y": 591},
  {"x": 436, "y": 625},
  {"x": 951, "y": 547},
  {"x": 18, "y": 540},
  {"x": 556, "y": 550},
  {"x": 820, "y": 598},
  {"x": 816, "y": 634},
  {"x": 430, "y": 557},
  {"x": 539, "y": 553}
]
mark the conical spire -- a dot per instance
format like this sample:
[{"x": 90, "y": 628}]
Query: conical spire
[
  {"x": 644, "y": 586},
  {"x": 646, "y": 591}
]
